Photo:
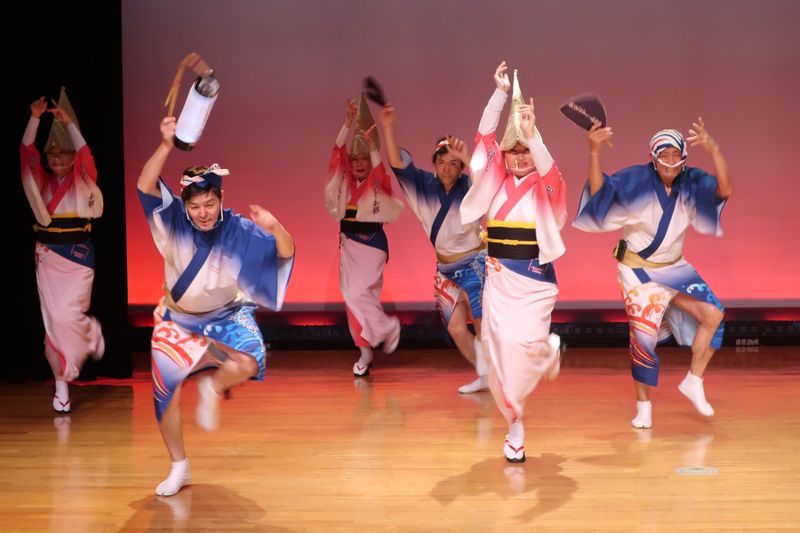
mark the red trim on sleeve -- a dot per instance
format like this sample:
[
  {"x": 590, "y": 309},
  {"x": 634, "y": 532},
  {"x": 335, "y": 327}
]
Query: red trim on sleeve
[
  {"x": 29, "y": 156},
  {"x": 84, "y": 163}
]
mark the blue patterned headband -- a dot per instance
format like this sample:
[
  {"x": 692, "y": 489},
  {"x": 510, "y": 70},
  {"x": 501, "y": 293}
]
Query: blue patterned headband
[{"x": 668, "y": 139}]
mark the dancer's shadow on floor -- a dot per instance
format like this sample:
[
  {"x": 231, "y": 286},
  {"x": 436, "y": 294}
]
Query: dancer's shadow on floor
[
  {"x": 540, "y": 474},
  {"x": 197, "y": 508}
]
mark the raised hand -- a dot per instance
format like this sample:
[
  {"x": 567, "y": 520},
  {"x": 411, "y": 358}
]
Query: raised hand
[
  {"x": 267, "y": 221},
  {"x": 167, "y": 128},
  {"x": 368, "y": 135},
  {"x": 458, "y": 148},
  {"x": 263, "y": 218},
  {"x": 699, "y": 136},
  {"x": 501, "y": 77},
  {"x": 38, "y": 107},
  {"x": 59, "y": 113},
  {"x": 599, "y": 136},
  {"x": 350, "y": 108},
  {"x": 528, "y": 119},
  {"x": 388, "y": 116}
]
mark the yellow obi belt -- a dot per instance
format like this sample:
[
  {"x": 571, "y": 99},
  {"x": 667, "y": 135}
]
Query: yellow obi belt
[
  {"x": 64, "y": 230},
  {"x": 512, "y": 240}
]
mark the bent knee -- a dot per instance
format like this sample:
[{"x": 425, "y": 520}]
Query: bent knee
[
  {"x": 456, "y": 328},
  {"x": 249, "y": 365},
  {"x": 713, "y": 316},
  {"x": 244, "y": 363}
]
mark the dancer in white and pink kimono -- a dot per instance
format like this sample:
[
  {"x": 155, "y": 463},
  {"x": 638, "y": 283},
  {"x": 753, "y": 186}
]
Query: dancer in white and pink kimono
[
  {"x": 519, "y": 188},
  {"x": 64, "y": 198},
  {"x": 218, "y": 266},
  {"x": 360, "y": 196},
  {"x": 655, "y": 204},
  {"x": 460, "y": 250}
]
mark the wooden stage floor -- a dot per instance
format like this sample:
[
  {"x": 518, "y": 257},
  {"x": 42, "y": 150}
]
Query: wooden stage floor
[{"x": 314, "y": 449}]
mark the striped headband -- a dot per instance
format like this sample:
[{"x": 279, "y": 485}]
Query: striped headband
[
  {"x": 212, "y": 177},
  {"x": 441, "y": 144},
  {"x": 667, "y": 139}
]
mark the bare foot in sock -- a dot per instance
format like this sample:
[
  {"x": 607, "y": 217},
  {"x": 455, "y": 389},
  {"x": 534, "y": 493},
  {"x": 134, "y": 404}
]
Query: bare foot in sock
[
  {"x": 362, "y": 366},
  {"x": 644, "y": 415},
  {"x": 514, "y": 446},
  {"x": 179, "y": 477},
  {"x": 554, "y": 341},
  {"x": 692, "y": 388},
  {"x": 391, "y": 342},
  {"x": 482, "y": 383},
  {"x": 61, "y": 402}
]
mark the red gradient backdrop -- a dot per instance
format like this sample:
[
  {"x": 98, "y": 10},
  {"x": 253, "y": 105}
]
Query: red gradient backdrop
[{"x": 286, "y": 68}]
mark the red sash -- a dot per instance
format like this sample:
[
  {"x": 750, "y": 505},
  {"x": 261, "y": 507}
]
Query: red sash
[
  {"x": 514, "y": 194},
  {"x": 59, "y": 191},
  {"x": 378, "y": 177}
]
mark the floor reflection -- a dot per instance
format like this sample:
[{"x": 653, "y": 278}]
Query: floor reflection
[
  {"x": 375, "y": 412},
  {"x": 62, "y": 423},
  {"x": 483, "y": 416}
]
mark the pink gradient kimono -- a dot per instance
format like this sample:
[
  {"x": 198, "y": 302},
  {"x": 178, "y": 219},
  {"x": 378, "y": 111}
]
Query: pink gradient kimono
[
  {"x": 362, "y": 256},
  {"x": 519, "y": 295},
  {"x": 64, "y": 271}
]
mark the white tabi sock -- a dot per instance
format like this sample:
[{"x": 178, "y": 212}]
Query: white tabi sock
[
  {"x": 366, "y": 355},
  {"x": 179, "y": 477},
  {"x": 644, "y": 415},
  {"x": 61, "y": 402},
  {"x": 481, "y": 368},
  {"x": 554, "y": 342},
  {"x": 514, "y": 446},
  {"x": 99, "y": 349},
  {"x": 390, "y": 343},
  {"x": 692, "y": 388},
  {"x": 516, "y": 433},
  {"x": 361, "y": 367},
  {"x": 482, "y": 383}
]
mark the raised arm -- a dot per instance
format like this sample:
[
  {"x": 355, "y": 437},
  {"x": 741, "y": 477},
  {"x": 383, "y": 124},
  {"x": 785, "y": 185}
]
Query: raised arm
[
  {"x": 351, "y": 106},
  {"x": 699, "y": 136},
  {"x": 84, "y": 161},
  {"x": 491, "y": 114},
  {"x": 388, "y": 118},
  {"x": 38, "y": 107},
  {"x": 29, "y": 155},
  {"x": 75, "y": 135},
  {"x": 541, "y": 156},
  {"x": 598, "y": 136},
  {"x": 267, "y": 221},
  {"x": 148, "y": 179},
  {"x": 458, "y": 148},
  {"x": 374, "y": 154}
]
